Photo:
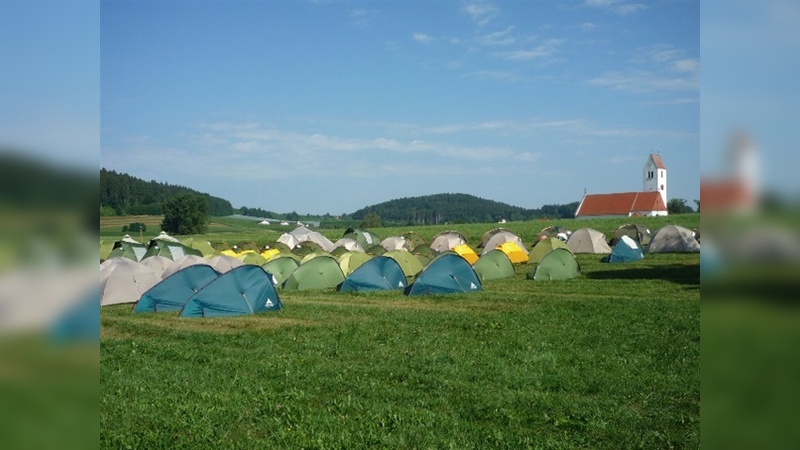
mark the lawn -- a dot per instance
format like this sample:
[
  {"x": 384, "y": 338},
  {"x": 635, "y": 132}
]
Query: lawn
[{"x": 608, "y": 360}]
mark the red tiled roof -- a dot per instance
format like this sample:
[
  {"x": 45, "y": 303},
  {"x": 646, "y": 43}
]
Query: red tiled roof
[
  {"x": 657, "y": 160},
  {"x": 724, "y": 194},
  {"x": 620, "y": 204}
]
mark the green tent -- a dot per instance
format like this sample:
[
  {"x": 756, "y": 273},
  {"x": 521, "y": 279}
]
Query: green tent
[
  {"x": 134, "y": 251},
  {"x": 639, "y": 233},
  {"x": 243, "y": 290},
  {"x": 199, "y": 244},
  {"x": 494, "y": 265},
  {"x": 281, "y": 267},
  {"x": 350, "y": 261},
  {"x": 169, "y": 249},
  {"x": 559, "y": 264},
  {"x": 408, "y": 262},
  {"x": 544, "y": 247},
  {"x": 171, "y": 293},
  {"x": 105, "y": 249},
  {"x": 363, "y": 237},
  {"x": 322, "y": 272}
]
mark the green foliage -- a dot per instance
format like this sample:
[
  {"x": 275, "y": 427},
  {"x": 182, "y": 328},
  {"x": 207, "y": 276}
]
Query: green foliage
[
  {"x": 678, "y": 206},
  {"x": 457, "y": 208},
  {"x": 137, "y": 227},
  {"x": 185, "y": 214},
  {"x": 608, "y": 360},
  {"x": 106, "y": 211},
  {"x": 129, "y": 195},
  {"x": 371, "y": 220}
]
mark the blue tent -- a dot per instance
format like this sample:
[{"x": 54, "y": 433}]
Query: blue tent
[
  {"x": 172, "y": 292},
  {"x": 380, "y": 273},
  {"x": 242, "y": 290},
  {"x": 626, "y": 250},
  {"x": 448, "y": 273}
]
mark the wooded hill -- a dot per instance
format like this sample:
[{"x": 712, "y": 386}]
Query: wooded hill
[
  {"x": 128, "y": 195},
  {"x": 458, "y": 208}
]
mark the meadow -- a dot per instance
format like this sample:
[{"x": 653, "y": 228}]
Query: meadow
[{"x": 607, "y": 360}]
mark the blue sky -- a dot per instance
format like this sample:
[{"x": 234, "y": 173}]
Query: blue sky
[{"x": 326, "y": 107}]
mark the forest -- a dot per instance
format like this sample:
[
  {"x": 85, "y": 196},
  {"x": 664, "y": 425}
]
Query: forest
[
  {"x": 123, "y": 194},
  {"x": 458, "y": 208}
]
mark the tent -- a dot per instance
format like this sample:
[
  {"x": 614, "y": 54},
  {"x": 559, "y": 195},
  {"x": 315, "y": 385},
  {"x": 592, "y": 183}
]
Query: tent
[
  {"x": 171, "y": 293},
  {"x": 309, "y": 256},
  {"x": 243, "y": 290},
  {"x": 500, "y": 237},
  {"x": 224, "y": 263},
  {"x": 514, "y": 252},
  {"x": 555, "y": 231},
  {"x": 626, "y": 250},
  {"x": 364, "y": 238},
  {"x": 350, "y": 261},
  {"x": 180, "y": 263},
  {"x": 169, "y": 248},
  {"x": 253, "y": 258},
  {"x": 124, "y": 281},
  {"x": 588, "y": 240},
  {"x": 202, "y": 245},
  {"x": 494, "y": 265},
  {"x": 559, "y": 264},
  {"x": 268, "y": 254},
  {"x": 446, "y": 240},
  {"x": 639, "y": 233},
  {"x": 158, "y": 263},
  {"x": 349, "y": 244},
  {"x": 395, "y": 243},
  {"x": 128, "y": 248},
  {"x": 447, "y": 274},
  {"x": 466, "y": 252},
  {"x": 673, "y": 239},
  {"x": 489, "y": 234},
  {"x": 380, "y": 273},
  {"x": 375, "y": 249},
  {"x": 544, "y": 247},
  {"x": 105, "y": 249},
  {"x": 322, "y": 272},
  {"x": 413, "y": 238},
  {"x": 408, "y": 262},
  {"x": 280, "y": 268}
]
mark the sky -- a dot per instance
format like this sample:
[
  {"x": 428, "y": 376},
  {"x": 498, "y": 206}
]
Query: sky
[{"x": 326, "y": 106}]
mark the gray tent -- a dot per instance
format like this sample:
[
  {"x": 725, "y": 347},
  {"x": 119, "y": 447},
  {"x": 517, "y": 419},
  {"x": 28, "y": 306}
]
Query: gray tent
[
  {"x": 588, "y": 240},
  {"x": 673, "y": 239}
]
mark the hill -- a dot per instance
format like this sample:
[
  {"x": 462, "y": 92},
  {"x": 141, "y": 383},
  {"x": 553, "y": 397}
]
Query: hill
[
  {"x": 128, "y": 195},
  {"x": 457, "y": 208}
]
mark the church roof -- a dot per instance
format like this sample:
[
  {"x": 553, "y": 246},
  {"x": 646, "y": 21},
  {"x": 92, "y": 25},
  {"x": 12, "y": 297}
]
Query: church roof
[
  {"x": 620, "y": 204},
  {"x": 657, "y": 160},
  {"x": 724, "y": 194}
]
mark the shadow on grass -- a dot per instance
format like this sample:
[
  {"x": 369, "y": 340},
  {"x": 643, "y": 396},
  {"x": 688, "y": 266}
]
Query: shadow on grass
[{"x": 684, "y": 274}]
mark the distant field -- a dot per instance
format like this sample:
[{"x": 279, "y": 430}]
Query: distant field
[
  {"x": 608, "y": 360},
  {"x": 236, "y": 230}
]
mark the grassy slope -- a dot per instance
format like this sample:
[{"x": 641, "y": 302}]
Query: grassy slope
[{"x": 608, "y": 360}]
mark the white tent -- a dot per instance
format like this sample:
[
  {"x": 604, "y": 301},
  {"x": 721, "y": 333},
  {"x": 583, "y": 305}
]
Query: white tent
[{"x": 124, "y": 281}]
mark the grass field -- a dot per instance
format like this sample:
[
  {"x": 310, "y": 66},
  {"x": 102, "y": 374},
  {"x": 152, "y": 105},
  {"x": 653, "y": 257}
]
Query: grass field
[{"x": 608, "y": 360}]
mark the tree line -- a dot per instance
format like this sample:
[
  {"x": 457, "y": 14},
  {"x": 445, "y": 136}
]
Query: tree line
[
  {"x": 122, "y": 194},
  {"x": 457, "y": 208}
]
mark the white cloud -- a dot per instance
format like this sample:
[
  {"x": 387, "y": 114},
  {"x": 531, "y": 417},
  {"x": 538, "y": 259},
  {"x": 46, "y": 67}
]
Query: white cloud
[
  {"x": 481, "y": 12},
  {"x": 543, "y": 50},
  {"x": 422, "y": 38},
  {"x": 361, "y": 17},
  {"x": 616, "y": 6},
  {"x": 497, "y": 38},
  {"x": 657, "y": 67},
  {"x": 587, "y": 26},
  {"x": 498, "y": 75}
]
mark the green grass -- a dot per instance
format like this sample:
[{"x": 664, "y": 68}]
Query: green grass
[{"x": 607, "y": 360}]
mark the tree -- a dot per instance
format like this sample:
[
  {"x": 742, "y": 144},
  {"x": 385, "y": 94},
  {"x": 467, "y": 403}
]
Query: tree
[
  {"x": 371, "y": 220},
  {"x": 185, "y": 214},
  {"x": 678, "y": 206},
  {"x": 697, "y": 202}
]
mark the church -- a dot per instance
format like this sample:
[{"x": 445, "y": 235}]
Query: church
[{"x": 650, "y": 201}]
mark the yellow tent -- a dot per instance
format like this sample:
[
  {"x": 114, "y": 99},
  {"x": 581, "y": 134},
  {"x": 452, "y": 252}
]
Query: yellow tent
[
  {"x": 466, "y": 252},
  {"x": 514, "y": 252}
]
